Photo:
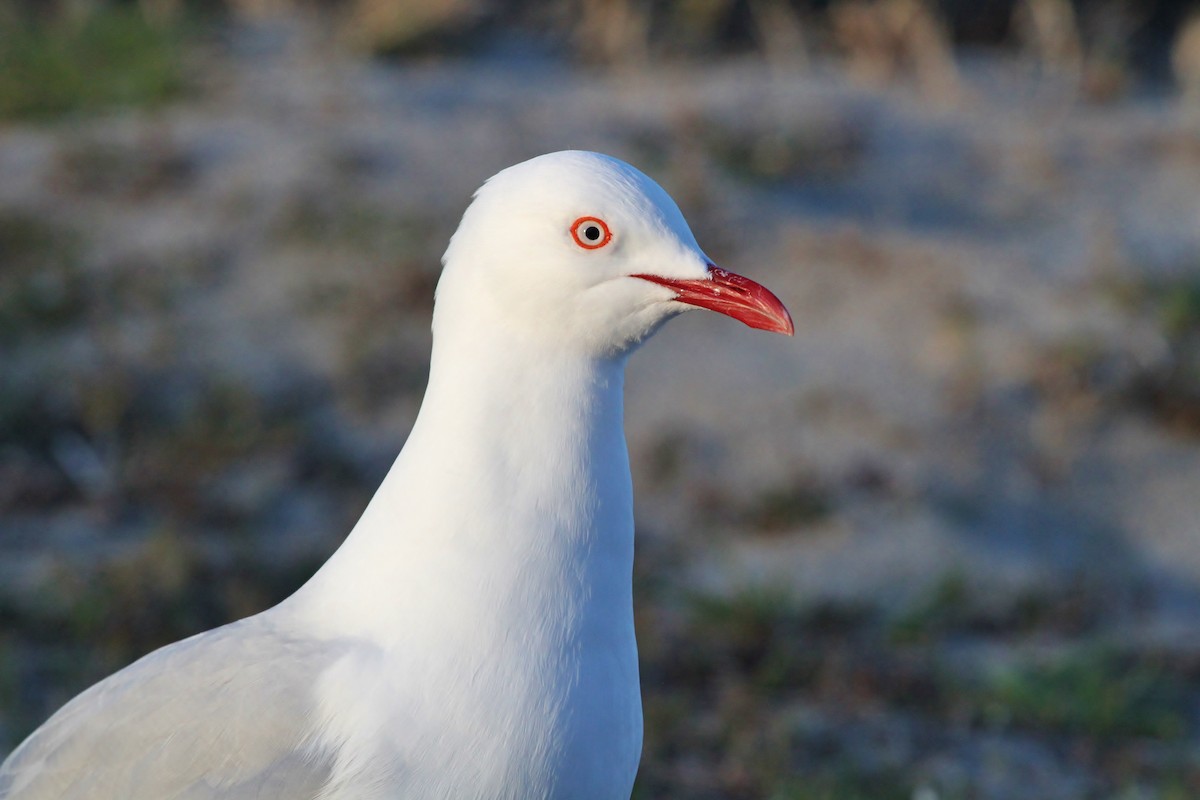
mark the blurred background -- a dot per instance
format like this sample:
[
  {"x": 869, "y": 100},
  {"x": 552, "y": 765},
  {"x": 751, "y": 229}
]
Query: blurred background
[{"x": 944, "y": 544}]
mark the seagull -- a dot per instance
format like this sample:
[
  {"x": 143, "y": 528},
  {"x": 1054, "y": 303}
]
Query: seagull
[{"x": 473, "y": 636}]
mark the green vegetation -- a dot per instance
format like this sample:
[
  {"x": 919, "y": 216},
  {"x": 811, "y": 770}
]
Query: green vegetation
[
  {"x": 1092, "y": 692},
  {"x": 1172, "y": 787},
  {"x": 789, "y": 508},
  {"x": 739, "y": 680},
  {"x": 1169, "y": 388},
  {"x": 760, "y": 634},
  {"x": 112, "y": 56},
  {"x": 769, "y": 637},
  {"x": 940, "y": 610},
  {"x": 1179, "y": 305},
  {"x": 41, "y": 285},
  {"x": 845, "y": 784},
  {"x": 951, "y": 608}
]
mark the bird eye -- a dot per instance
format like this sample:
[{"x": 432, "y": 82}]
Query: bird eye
[{"x": 590, "y": 233}]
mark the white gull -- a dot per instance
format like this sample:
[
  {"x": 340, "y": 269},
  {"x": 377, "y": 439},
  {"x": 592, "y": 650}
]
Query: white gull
[{"x": 473, "y": 637}]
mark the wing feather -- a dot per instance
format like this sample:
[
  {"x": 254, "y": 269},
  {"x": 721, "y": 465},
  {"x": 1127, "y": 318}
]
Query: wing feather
[{"x": 225, "y": 715}]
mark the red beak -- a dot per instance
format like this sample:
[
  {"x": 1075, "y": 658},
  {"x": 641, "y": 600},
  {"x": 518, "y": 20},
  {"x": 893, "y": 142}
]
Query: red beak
[{"x": 731, "y": 294}]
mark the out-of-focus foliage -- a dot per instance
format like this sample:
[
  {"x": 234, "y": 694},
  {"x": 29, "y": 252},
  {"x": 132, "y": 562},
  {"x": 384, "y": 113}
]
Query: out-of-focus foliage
[
  {"x": 63, "y": 56},
  {"x": 98, "y": 58}
]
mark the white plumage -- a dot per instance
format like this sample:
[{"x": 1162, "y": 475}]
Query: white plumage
[{"x": 473, "y": 637}]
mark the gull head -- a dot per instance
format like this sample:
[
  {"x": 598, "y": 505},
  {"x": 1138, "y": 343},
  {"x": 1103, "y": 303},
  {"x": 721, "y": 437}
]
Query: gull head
[{"x": 581, "y": 251}]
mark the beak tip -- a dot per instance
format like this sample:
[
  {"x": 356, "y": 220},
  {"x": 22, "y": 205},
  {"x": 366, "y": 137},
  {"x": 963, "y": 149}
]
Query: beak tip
[
  {"x": 791, "y": 327},
  {"x": 783, "y": 325}
]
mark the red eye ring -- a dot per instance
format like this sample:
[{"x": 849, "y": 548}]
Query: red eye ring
[{"x": 590, "y": 233}]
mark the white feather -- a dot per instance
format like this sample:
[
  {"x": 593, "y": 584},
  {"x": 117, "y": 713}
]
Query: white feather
[{"x": 474, "y": 633}]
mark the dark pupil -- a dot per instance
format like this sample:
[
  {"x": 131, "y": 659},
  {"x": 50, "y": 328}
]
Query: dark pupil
[{"x": 591, "y": 233}]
